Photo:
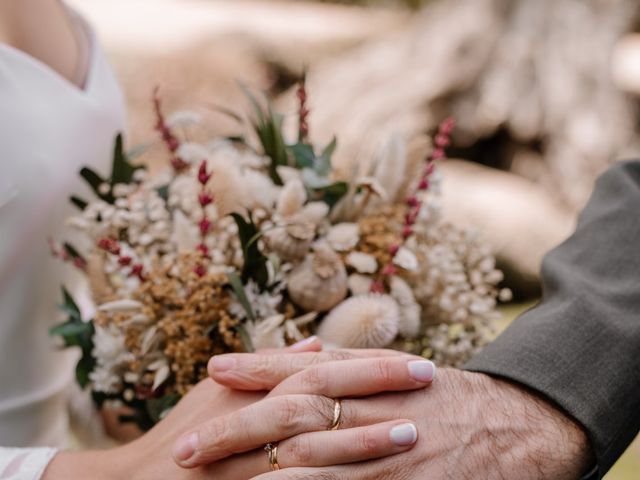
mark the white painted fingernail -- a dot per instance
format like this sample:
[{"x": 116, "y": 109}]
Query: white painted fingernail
[
  {"x": 404, "y": 435},
  {"x": 422, "y": 370},
  {"x": 304, "y": 343}
]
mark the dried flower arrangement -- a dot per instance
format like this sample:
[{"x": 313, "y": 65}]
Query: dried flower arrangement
[{"x": 235, "y": 247}]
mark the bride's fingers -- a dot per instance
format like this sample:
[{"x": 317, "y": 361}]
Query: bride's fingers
[
  {"x": 247, "y": 371},
  {"x": 311, "y": 344},
  {"x": 284, "y": 416},
  {"x": 360, "y": 377},
  {"x": 321, "y": 449}
]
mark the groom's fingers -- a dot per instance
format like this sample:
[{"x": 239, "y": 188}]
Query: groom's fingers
[
  {"x": 322, "y": 449},
  {"x": 360, "y": 377},
  {"x": 247, "y": 371}
]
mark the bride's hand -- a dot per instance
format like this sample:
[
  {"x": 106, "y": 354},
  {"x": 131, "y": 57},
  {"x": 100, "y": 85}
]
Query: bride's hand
[{"x": 300, "y": 409}]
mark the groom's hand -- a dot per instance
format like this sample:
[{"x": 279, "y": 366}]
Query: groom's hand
[{"x": 471, "y": 426}]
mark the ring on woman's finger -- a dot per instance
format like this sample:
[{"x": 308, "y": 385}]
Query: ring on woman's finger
[
  {"x": 337, "y": 414},
  {"x": 272, "y": 453}
]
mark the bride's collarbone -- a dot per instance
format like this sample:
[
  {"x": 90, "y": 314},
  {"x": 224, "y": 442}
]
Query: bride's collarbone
[{"x": 43, "y": 30}]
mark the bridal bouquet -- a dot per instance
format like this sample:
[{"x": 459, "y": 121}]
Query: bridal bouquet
[{"x": 240, "y": 245}]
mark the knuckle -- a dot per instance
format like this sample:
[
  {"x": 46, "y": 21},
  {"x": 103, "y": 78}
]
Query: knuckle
[
  {"x": 384, "y": 371},
  {"x": 289, "y": 414},
  {"x": 314, "y": 380},
  {"x": 367, "y": 442},
  {"x": 340, "y": 355},
  {"x": 300, "y": 452},
  {"x": 214, "y": 434}
]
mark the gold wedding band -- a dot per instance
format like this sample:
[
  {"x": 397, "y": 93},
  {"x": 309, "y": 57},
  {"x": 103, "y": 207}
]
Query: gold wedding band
[
  {"x": 272, "y": 452},
  {"x": 337, "y": 414}
]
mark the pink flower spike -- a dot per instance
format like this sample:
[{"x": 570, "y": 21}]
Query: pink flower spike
[
  {"x": 377, "y": 287},
  {"x": 412, "y": 201},
  {"x": 442, "y": 141},
  {"x": 389, "y": 270},
  {"x": 205, "y": 225},
  {"x": 393, "y": 249},
  {"x": 200, "y": 270},
  {"x": 124, "y": 261},
  {"x": 203, "y": 175},
  {"x": 204, "y": 198},
  {"x": 79, "y": 263},
  {"x": 203, "y": 249},
  {"x": 437, "y": 154},
  {"x": 447, "y": 126},
  {"x": 137, "y": 271},
  {"x": 423, "y": 185},
  {"x": 407, "y": 231},
  {"x": 429, "y": 169}
]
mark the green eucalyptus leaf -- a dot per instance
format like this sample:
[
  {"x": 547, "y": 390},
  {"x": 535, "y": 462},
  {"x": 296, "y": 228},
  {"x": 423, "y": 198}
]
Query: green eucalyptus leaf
[
  {"x": 95, "y": 180},
  {"x": 315, "y": 181},
  {"x": 303, "y": 155},
  {"x": 332, "y": 194},
  {"x": 323, "y": 163},
  {"x": 163, "y": 192},
  {"x": 69, "y": 306},
  {"x": 84, "y": 367},
  {"x": 255, "y": 263},
  {"x": 241, "y": 295},
  {"x": 122, "y": 170},
  {"x": 70, "y": 329}
]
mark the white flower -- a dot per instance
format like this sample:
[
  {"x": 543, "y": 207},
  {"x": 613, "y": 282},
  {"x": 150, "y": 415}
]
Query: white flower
[
  {"x": 343, "y": 236},
  {"x": 362, "y": 262},
  {"x": 364, "y": 321},
  {"x": 192, "y": 152},
  {"x": 406, "y": 259},
  {"x": 111, "y": 356},
  {"x": 291, "y": 199},
  {"x": 267, "y": 333},
  {"x": 264, "y": 304}
]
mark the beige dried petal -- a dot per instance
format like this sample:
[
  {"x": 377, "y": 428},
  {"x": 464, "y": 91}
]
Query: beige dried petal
[
  {"x": 267, "y": 333},
  {"x": 291, "y": 242},
  {"x": 362, "y": 262},
  {"x": 364, "y": 321},
  {"x": 359, "y": 284},
  {"x": 343, "y": 236},
  {"x": 291, "y": 199},
  {"x": 372, "y": 185},
  {"x": 161, "y": 376},
  {"x": 314, "y": 212},
  {"x": 410, "y": 311},
  {"x": 122, "y": 305},
  {"x": 406, "y": 259}
]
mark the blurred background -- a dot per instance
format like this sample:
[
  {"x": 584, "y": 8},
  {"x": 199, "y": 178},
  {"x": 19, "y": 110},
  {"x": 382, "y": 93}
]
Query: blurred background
[{"x": 546, "y": 94}]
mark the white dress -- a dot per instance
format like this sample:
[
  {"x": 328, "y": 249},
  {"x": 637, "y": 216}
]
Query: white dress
[{"x": 49, "y": 129}]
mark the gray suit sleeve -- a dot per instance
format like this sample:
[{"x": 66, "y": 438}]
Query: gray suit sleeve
[{"x": 580, "y": 347}]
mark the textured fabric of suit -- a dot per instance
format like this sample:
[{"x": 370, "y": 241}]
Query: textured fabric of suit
[{"x": 580, "y": 347}]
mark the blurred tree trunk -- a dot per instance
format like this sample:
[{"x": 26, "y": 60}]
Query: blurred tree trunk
[{"x": 529, "y": 82}]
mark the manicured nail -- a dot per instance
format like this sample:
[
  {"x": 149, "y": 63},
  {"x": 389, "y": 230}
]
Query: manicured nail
[
  {"x": 185, "y": 447},
  {"x": 422, "y": 370},
  {"x": 403, "y": 435},
  {"x": 303, "y": 343},
  {"x": 223, "y": 363}
]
